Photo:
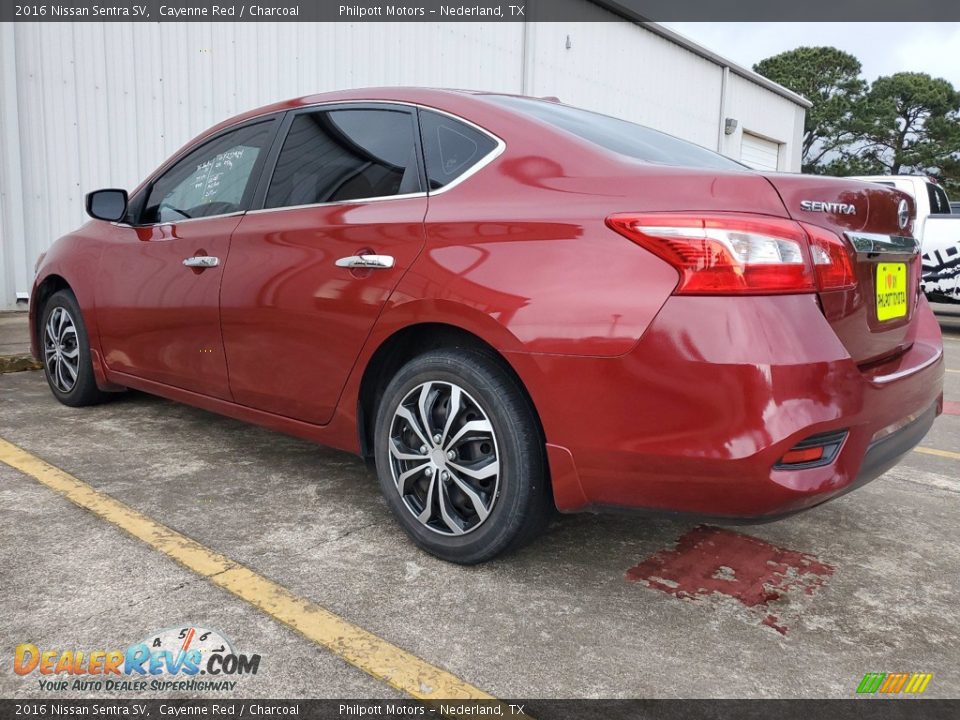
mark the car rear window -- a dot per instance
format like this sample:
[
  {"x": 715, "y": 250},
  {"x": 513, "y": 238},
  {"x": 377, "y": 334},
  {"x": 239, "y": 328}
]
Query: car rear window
[
  {"x": 620, "y": 136},
  {"x": 939, "y": 204}
]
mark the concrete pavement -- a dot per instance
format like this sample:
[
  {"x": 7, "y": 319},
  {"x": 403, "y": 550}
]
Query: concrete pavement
[{"x": 558, "y": 619}]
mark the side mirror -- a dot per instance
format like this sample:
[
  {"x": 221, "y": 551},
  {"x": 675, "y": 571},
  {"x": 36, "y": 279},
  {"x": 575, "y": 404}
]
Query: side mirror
[{"x": 110, "y": 204}]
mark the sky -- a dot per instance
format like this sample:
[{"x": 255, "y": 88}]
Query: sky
[{"x": 882, "y": 48}]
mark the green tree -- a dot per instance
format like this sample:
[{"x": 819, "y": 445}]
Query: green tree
[
  {"x": 830, "y": 79},
  {"x": 949, "y": 177},
  {"x": 909, "y": 123}
]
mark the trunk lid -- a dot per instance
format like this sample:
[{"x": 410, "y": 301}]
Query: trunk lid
[{"x": 870, "y": 319}]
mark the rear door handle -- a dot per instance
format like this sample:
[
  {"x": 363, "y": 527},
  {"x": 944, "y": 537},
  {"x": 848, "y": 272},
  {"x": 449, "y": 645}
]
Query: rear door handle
[
  {"x": 374, "y": 262},
  {"x": 201, "y": 261}
]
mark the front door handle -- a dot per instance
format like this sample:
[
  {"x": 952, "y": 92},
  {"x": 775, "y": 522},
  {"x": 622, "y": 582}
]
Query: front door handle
[
  {"x": 201, "y": 261},
  {"x": 374, "y": 262}
]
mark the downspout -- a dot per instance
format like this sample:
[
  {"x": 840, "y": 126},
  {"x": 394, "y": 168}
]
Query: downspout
[
  {"x": 721, "y": 130},
  {"x": 527, "y": 61},
  {"x": 17, "y": 273}
]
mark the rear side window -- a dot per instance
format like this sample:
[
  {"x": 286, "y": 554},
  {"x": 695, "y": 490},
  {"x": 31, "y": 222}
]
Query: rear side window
[
  {"x": 340, "y": 155},
  {"x": 451, "y": 148},
  {"x": 939, "y": 205},
  {"x": 620, "y": 136},
  {"x": 215, "y": 179}
]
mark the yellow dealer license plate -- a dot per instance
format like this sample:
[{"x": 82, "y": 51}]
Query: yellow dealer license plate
[{"x": 891, "y": 291}]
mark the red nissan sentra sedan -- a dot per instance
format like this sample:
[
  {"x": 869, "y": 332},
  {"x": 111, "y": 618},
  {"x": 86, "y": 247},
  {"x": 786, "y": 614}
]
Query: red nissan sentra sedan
[{"x": 508, "y": 304}]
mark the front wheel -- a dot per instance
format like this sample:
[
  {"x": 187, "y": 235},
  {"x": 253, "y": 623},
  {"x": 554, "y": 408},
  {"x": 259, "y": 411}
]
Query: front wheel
[
  {"x": 460, "y": 457},
  {"x": 66, "y": 352}
]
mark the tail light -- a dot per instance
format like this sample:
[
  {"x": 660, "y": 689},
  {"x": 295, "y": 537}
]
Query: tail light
[
  {"x": 831, "y": 259},
  {"x": 732, "y": 253}
]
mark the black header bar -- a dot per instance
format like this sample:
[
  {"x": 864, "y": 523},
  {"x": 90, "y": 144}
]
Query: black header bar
[
  {"x": 63, "y": 707},
  {"x": 356, "y": 11}
]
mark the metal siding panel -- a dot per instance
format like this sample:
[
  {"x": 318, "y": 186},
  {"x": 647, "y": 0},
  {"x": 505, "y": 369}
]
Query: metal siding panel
[
  {"x": 103, "y": 104},
  {"x": 625, "y": 70},
  {"x": 37, "y": 213}
]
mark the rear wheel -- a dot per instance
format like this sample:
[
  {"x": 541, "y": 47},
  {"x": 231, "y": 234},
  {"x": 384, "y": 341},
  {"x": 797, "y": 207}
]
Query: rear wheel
[
  {"x": 66, "y": 352},
  {"x": 459, "y": 456}
]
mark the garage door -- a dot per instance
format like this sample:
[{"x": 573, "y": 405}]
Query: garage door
[{"x": 759, "y": 153}]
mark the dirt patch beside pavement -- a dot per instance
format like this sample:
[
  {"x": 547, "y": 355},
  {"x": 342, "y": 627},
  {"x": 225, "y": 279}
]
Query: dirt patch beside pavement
[{"x": 16, "y": 363}]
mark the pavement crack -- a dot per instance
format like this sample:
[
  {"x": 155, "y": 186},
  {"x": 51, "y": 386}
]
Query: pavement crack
[
  {"x": 232, "y": 566},
  {"x": 336, "y": 538},
  {"x": 140, "y": 600}
]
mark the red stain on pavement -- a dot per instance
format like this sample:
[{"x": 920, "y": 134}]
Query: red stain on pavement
[
  {"x": 774, "y": 622},
  {"x": 713, "y": 561},
  {"x": 951, "y": 407}
]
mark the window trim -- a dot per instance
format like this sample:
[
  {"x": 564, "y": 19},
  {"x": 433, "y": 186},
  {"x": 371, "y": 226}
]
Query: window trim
[
  {"x": 182, "y": 221},
  {"x": 380, "y": 198}
]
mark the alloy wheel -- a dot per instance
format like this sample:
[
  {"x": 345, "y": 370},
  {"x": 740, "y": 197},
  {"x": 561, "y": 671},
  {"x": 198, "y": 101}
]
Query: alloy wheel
[
  {"x": 61, "y": 349},
  {"x": 444, "y": 458}
]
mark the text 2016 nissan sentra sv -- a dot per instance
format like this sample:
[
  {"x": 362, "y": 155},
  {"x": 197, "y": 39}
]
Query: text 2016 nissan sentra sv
[{"x": 508, "y": 304}]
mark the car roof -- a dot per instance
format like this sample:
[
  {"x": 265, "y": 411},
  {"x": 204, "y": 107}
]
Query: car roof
[{"x": 432, "y": 97}]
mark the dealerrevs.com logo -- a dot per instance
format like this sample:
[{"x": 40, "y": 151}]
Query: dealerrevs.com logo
[{"x": 168, "y": 660}]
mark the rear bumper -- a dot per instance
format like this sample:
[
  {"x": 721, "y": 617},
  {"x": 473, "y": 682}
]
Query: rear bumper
[
  {"x": 694, "y": 419},
  {"x": 884, "y": 453}
]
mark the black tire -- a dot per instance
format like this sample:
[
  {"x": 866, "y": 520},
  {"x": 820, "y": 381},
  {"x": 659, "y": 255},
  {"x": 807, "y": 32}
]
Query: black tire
[
  {"x": 520, "y": 502},
  {"x": 81, "y": 390}
]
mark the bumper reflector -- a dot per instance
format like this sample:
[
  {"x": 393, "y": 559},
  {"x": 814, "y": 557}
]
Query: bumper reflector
[
  {"x": 803, "y": 455},
  {"x": 814, "y": 451}
]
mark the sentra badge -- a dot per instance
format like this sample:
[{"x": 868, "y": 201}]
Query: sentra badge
[{"x": 834, "y": 208}]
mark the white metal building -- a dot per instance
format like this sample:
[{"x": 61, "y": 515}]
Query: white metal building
[{"x": 90, "y": 105}]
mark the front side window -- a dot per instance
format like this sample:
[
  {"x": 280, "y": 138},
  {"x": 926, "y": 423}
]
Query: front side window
[
  {"x": 215, "y": 179},
  {"x": 342, "y": 155}
]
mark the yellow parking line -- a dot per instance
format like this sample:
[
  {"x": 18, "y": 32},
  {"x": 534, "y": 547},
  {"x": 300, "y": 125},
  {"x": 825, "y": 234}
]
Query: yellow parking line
[
  {"x": 938, "y": 453},
  {"x": 952, "y": 371},
  {"x": 362, "y": 649}
]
